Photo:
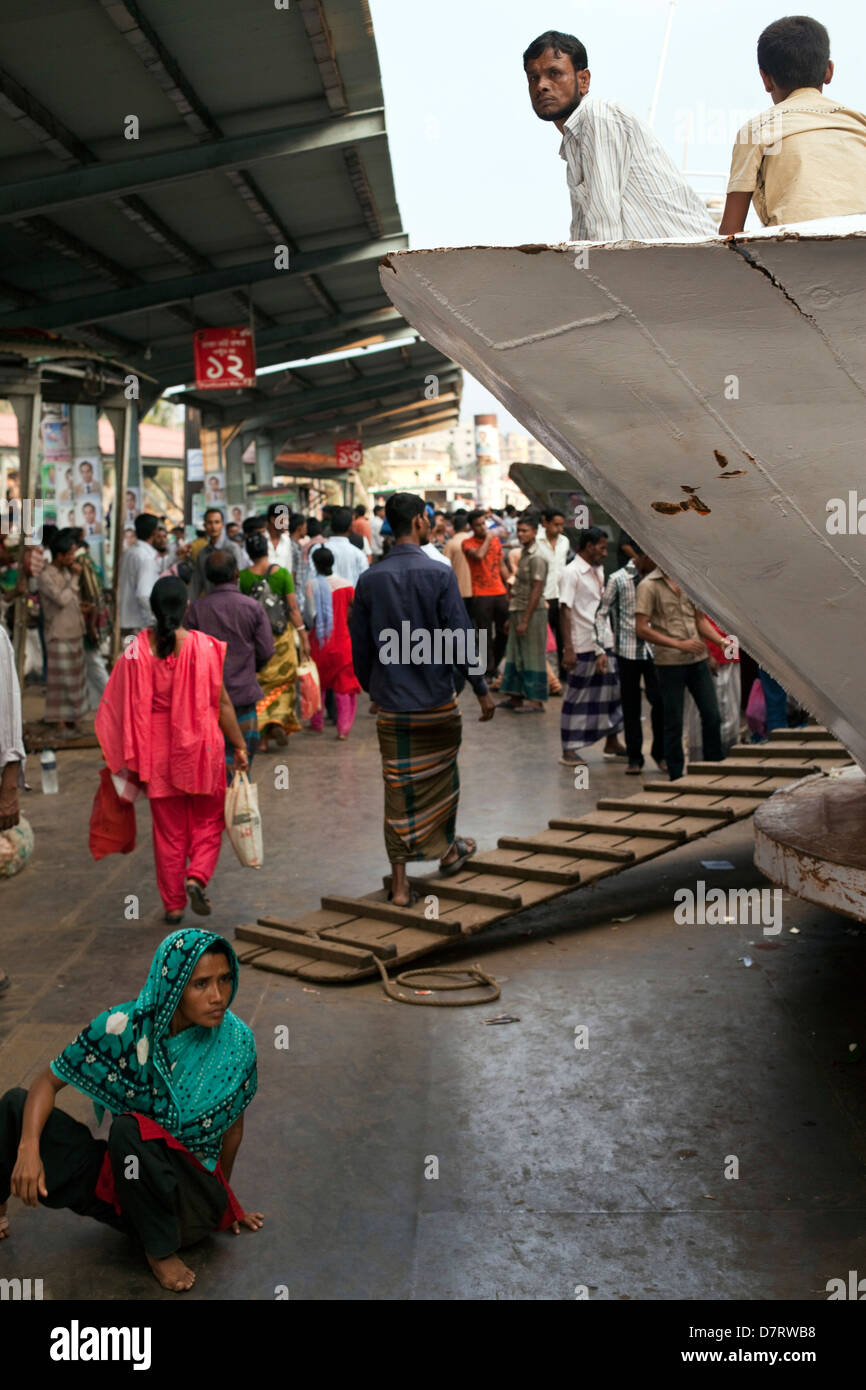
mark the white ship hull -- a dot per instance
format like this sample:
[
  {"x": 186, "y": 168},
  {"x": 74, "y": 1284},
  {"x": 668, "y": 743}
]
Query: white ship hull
[{"x": 712, "y": 396}]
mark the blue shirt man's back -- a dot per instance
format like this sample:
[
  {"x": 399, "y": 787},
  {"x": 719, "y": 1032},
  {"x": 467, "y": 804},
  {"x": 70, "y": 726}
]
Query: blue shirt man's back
[{"x": 409, "y": 607}]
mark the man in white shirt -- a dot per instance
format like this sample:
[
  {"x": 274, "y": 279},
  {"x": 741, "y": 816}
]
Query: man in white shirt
[
  {"x": 12, "y": 755},
  {"x": 376, "y": 520},
  {"x": 591, "y": 705},
  {"x": 139, "y": 571},
  {"x": 554, "y": 547},
  {"x": 280, "y": 536},
  {"x": 624, "y": 185},
  {"x": 349, "y": 561}
]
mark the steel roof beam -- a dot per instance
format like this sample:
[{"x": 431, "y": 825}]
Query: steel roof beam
[
  {"x": 318, "y": 440},
  {"x": 116, "y": 179},
  {"x": 294, "y": 334},
  {"x": 160, "y": 293},
  {"x": 316, "y": 25},
  {"x": 166, "y": 72},
  {"x": 170, "y": 77},
  {"x": 371, "y": 389}
]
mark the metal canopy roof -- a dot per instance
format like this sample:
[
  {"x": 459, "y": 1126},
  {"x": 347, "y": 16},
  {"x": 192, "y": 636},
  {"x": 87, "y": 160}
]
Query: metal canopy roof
[{"x": 256, "y": 128}]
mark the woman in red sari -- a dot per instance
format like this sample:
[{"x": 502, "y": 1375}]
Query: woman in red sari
[
  {"x": 162, "y": 719},
  {"x": 328, "y": 605}
]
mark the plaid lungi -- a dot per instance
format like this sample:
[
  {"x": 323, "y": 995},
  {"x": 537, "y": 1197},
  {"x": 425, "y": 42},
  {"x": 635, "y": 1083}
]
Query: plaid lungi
[
  {"x": 65, "y": 680},
  {"x": 422, "y": 784},
  {"x": 591, "y": 705},
  {"x": 248, "y": 720}
]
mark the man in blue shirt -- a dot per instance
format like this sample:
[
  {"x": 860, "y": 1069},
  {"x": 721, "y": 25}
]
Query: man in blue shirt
[{"x": 410, "y": 633}]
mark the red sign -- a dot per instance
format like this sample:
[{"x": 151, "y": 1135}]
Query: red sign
[
  {"x": 349, "y": 453},
  {"x": 225, "y": 358}
]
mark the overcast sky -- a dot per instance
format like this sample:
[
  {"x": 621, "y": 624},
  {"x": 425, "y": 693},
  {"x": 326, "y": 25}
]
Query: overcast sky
[{"x": 472, "y": 163}]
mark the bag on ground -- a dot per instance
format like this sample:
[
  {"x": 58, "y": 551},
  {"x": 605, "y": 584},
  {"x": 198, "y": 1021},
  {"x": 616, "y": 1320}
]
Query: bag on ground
[
  {"x": 309, "y": 689},
  {"x": 112, "y": 821},
  {"x": 244, "y": 822}
]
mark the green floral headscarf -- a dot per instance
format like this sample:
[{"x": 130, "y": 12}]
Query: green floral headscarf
[{"x": 195, "y": 1084}]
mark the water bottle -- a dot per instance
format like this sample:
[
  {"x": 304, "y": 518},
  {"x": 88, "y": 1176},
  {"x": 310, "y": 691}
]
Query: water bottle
[{"x": 49, "y": 771}]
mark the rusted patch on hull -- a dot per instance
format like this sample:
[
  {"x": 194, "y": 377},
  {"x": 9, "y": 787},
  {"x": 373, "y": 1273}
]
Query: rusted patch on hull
[{"x": 690, "y": 504}]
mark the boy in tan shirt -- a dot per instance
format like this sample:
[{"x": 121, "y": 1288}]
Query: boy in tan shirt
[{"x": 806, "y": 157}]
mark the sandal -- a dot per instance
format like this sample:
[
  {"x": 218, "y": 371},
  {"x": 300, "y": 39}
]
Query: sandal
[
  {"x": 464, "y": 851},
  {"x": 173, "y": 919},
  {"x": 198, "y": 900},
  {"x": 413, "y": 898}
]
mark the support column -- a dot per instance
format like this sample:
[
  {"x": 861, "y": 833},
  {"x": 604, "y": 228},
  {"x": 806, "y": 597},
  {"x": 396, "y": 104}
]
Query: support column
[
  {"x": 84, "y": 443},
  {"x": 264, "y": 461},
  {"x": 194, "y": 466},
  {"x": 27, "y": 404},
  {"x": 124, "y": 423},
  {"x": 236, "y": 487}
]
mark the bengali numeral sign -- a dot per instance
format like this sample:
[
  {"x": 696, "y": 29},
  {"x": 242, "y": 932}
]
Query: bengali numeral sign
[
  {"x": 349, "y": 453},
  {"x": 225, "y": 358}
]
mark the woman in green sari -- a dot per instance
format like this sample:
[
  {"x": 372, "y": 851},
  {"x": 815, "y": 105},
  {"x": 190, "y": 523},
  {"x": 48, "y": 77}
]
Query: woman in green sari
[
  {"x": 274, "y": 588},
  {"x": 177, "y": 1070}
]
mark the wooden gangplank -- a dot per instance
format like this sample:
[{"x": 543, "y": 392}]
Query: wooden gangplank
[{"x": 343, "y": 941}]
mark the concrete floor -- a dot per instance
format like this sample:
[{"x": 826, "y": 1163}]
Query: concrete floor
[{"x": 557, "y": 1167}]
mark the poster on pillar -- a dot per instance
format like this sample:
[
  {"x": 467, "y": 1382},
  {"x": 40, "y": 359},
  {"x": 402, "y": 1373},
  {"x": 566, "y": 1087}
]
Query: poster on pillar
[
  {"x": 225, "y": 359},
  {"x": 58, "y": 475},
  {"x": 349, "y": 453}
]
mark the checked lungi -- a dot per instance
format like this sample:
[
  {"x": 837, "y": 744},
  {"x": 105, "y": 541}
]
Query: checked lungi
[
  {"x": 248, "y": 722},
  {"x": 65, "y": 681},
  {"x": 422, "y": 783},
  {"x": 591, "y": 705}
]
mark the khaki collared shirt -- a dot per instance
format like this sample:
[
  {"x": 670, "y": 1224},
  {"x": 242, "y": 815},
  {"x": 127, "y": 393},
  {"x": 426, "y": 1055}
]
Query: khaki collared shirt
[
  {"x": 804, "y": 158},
  {"x": 672, "y": 613},
  {"x": 531, "y": 567}
]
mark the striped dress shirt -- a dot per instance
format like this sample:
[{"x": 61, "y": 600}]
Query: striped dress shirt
[
  {"x": 624, "y": 185},
  {"x": 617, "y": 606}
]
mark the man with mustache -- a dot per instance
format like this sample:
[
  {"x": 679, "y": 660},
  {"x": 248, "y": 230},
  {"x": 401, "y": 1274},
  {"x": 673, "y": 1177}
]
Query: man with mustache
[{"x": 623, "y": 184}]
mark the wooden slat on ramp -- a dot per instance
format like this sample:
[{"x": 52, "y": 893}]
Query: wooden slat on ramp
[{"x": 342, "y": 941}]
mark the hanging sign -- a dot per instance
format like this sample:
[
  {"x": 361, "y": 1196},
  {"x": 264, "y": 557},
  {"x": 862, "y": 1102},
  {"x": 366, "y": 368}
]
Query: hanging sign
[
  {"x": 349, "y": 453},
  {"x": 225, "y": 358}
]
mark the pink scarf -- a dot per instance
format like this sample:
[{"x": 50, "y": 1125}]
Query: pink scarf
[{"x": 123, "y": 721}]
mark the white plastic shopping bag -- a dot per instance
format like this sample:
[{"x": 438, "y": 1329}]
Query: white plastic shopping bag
[{"x": 243, "y": 821}]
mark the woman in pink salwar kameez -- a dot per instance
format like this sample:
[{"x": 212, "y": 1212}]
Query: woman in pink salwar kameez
[{"x": 162, "y": 718}]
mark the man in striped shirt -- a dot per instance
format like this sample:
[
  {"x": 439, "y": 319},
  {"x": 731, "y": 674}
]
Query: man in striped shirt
[
  {"x": 624, "y": 185},
  {"x": 634, "y": 659}
]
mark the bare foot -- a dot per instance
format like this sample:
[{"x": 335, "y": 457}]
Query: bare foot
[
  {"x": 172, "y": 1273},
  {"x": 4, "y": 1222}
]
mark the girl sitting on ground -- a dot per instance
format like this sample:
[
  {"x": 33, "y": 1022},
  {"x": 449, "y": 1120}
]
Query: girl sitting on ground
[{"x": 177, "y": 1070}]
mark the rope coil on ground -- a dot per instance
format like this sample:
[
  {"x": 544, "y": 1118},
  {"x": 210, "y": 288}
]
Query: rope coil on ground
[{"x": 477, "y": 978}]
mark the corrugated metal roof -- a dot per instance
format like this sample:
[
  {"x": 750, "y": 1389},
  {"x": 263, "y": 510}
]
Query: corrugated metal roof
[{"x": 254, "y": 127}]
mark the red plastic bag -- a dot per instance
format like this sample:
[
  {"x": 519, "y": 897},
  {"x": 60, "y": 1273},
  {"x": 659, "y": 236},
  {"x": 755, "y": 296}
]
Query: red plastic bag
[
  {"x": 112, "y": 821},
  {"x": 756, "y": 709}
]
